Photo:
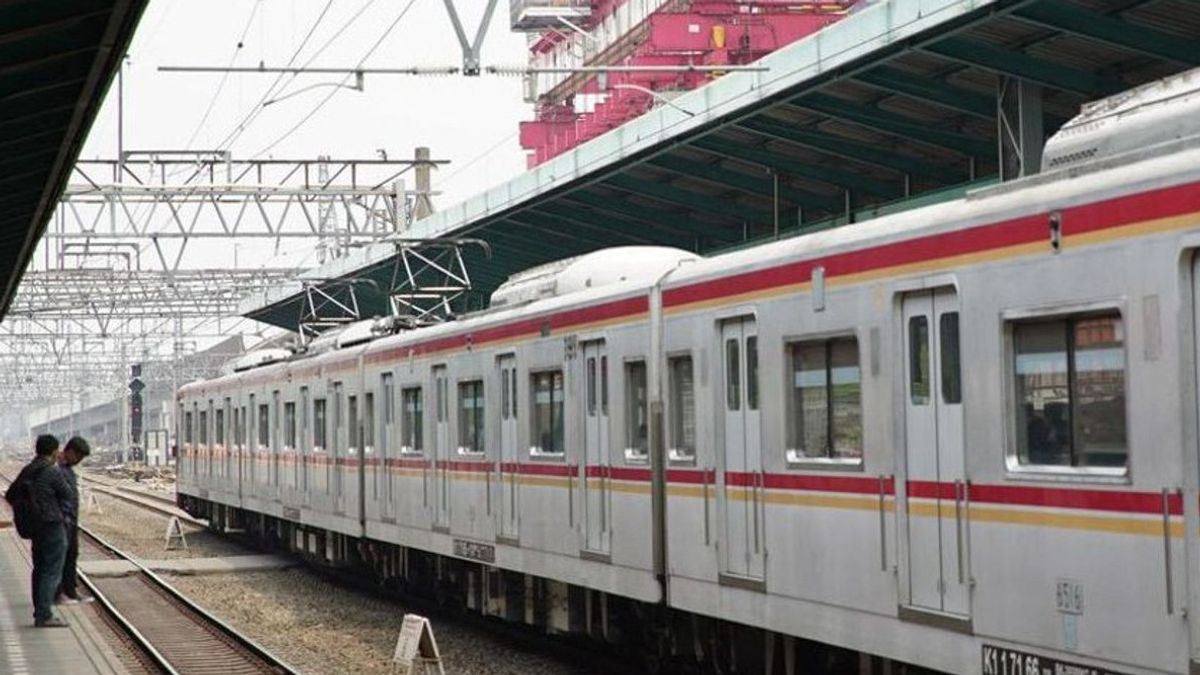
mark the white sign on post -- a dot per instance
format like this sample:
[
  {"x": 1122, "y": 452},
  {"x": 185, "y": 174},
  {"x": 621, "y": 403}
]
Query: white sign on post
[
  {"x": 416, "y": 650},
  {"x": 174, "y": 536}
]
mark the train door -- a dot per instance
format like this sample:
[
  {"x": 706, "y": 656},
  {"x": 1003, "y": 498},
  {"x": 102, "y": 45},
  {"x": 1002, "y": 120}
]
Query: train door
[
  {"x": 250, "y": 457},
  {"x": 595, "y": 447},
  {"x": 276, "y": 443},
  {"x": 509, "y": 458},
  {"x": 441, "y": 487},
  {"x": 741, "y": 495},
  {"x": 934, "y": 446},
  {"x": 338, "y": 451}
]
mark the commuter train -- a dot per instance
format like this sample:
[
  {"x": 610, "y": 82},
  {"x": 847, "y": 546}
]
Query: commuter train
[{"x": 963, "y": 437}]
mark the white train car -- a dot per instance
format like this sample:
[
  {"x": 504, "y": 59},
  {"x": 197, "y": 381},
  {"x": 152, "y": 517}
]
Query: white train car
[{"x": 961, "y": 437}]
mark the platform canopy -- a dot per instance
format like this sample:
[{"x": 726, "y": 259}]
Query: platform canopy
[
  {"x": 902, "y": 103},
  {"x": 57, "y": 60}
]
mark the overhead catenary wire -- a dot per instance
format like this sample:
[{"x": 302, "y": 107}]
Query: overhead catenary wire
[
  {"x": 224, "y": 78},
  {"x": 333, "y": 92}
]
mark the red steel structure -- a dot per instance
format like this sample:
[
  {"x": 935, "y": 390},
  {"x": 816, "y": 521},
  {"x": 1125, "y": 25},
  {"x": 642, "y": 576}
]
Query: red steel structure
[{"x": 573, "y": 107}]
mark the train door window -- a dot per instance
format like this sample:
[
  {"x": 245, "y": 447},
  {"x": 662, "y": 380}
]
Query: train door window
[
  {"x": 825, "y": 401},
  {"x": 951, "y": 366},
  {"x": 918, "y": 358},
  {"x": 264, "y": 425},
  {"x": 388, "y": 410},
  {"x": 1069, "y": 385},
  {"x": 636, "y": 413},
  {"x": 412, "y": 419},
  {"x": 604, "y": 385},
  {"x": 547, "y": 389},
  {"x": 681, "y": 381},
  {"x": 352, "y": 411},
  {"x": 752, "y": 372},
  {"x": 505, "y": 393},
  {"x": 289, "y": 425},
  {"x": 203, "y": 427},
  {"x": 304, "y": 418},
  {"x": 733, "y": 378},
  {"x": 187, "y": 427},
  {"x": 591, "y": 386},
  {"x": 440, "y": 394},
  {"x": 470, "y": 417},
  {"x": 276, "y": 426},
  {"x": 320, "y": 426},
  {"x": 513, "y": 395},
  {"x": 219, "y": 427},
  {"x": 368, "y": 424}
]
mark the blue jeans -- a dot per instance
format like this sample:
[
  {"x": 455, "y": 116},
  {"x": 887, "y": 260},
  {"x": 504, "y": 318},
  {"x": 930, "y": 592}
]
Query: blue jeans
[{"x": 49, "y": 553}]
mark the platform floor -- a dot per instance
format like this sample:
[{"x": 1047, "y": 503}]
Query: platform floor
[{"x": 25, "y": 650}]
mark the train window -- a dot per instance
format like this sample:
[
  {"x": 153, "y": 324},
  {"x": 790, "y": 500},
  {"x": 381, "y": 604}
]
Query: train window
[
  {"x": 733, "y": 380},
  {"x": 548, "y": 411},
  {"x": 918, "y": 360},
  {"x": 187, "y": 427},
  {"x": 203, "y": 427},
  {"x": 637, "y": 425},
  {"x": 264, "y": 425},
  {"x": 950, "y": 363},
  {"x": 276, "y": 425},
  {"x": 289, "y": 425},
  {"x": 440, "y": 394},
  {"x": 352, "y": 410},
  {"x": 513, "y": 400},
  {"x": 681, "y": 381},
  {"x": 368, "y": 424},
  {"x": 1070, "y": 391},
  {"x": 825, "y": 401},
  {"x": 470, "y": 417},
  {"x": 412, "y": 417},
  {"x": 320, "y": 430},
  {"x": 219, "y": 426}
]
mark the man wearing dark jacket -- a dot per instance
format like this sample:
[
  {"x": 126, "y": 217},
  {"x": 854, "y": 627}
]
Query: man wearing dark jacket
[
  {"x": 50, "y": 499},
  {"x": 73, "y": 453}
]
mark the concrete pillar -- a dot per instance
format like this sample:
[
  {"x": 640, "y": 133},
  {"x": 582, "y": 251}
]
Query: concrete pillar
[{"x": 423, "y": 172}]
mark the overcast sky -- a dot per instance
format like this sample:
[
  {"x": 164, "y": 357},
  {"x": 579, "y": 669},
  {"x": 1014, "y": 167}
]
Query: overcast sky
[{"x": 457, "y": 117}]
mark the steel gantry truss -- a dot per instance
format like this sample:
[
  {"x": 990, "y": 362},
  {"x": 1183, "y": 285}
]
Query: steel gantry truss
[{"x": 135, "y": 267}]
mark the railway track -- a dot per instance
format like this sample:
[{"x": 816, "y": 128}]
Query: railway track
[
  {"x": 181, "y": 636},
  {"x": 172, "y": 634}
]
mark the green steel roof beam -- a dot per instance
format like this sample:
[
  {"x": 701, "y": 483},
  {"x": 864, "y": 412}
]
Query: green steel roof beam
[
  {"x": 690, "y": 199},
  {"x": 1019, "y": 64},
  {"x": 836, "y": 177},
  {"x": 930, "y": 90},
  {"x": 848, "y": 149},
  {"x": 528, "y": 250},
  {"x": 658, "y": 222},
  {"x": 1112, "y": 31},
  {"x": 714, "y": 173},
  {"x": 551, "y": 215},
  {"x": 896, "y": 125},
  {"x": 521, "y": 222}
]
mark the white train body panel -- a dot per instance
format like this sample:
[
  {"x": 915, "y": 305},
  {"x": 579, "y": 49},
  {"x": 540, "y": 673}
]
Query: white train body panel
[{"x": 927, "y": 532}]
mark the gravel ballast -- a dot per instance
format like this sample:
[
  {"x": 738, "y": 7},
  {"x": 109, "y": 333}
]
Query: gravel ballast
[{"x": 317, "y": 625}]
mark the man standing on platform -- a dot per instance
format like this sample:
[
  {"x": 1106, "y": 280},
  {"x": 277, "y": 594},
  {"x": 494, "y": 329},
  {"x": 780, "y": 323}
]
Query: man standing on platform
[
  {"x": 73, "y": 453},
  {"x": 49, "y": 495}
]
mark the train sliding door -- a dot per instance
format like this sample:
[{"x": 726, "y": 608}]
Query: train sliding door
[
  {"x": 934, "y": 445},
  {"x": 741, "y": 494},
  {"x": 595, "y": 448},
  {"x": 509, "y": 468}
]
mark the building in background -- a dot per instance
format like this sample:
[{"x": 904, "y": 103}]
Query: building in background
[{"x": 634, "y": 37}]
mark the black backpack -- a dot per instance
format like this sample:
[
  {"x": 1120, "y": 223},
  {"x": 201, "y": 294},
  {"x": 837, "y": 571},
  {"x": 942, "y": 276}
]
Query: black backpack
[{"x": 20, "y": 497}]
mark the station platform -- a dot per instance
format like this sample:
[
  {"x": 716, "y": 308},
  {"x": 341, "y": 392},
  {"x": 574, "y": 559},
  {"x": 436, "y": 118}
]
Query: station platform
[{"x": 80, "y": 649}]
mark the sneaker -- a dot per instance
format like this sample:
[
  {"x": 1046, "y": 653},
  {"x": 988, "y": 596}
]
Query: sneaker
[
  {"x": 66, "y": 600},
  {"x": 52, "y": 622}
]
